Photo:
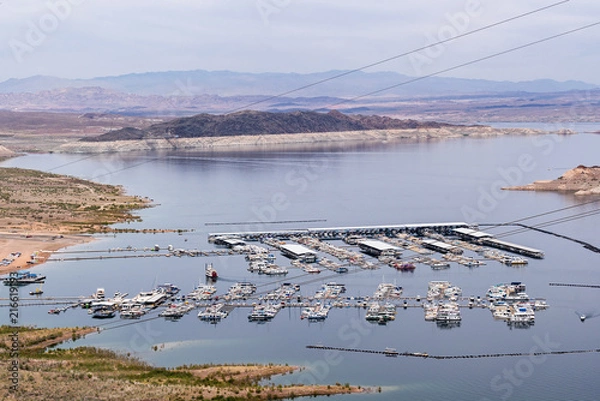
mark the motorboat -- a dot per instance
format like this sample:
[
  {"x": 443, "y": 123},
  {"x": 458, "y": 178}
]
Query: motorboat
[
  {"x": 263, "y": 313},
  {"x": 103, "y": 313},
  {"x": 22, "y": 278},
  {"x": 210, "y": 272},
  {"x": 213, "y": 313},
  {"x": 37, "y": 291},
  {"x": 202, "y": 293}
]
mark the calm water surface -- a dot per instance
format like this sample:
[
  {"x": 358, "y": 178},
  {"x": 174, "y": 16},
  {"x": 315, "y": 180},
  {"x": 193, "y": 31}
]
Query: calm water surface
[{"x": 438, "y": 181}]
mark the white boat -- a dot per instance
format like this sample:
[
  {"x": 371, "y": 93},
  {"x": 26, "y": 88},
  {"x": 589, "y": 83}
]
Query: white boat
[
  {"x": 514, "y": 260},
  {"x": 240, "y": 290},
  {"x": 273, "y": 270},
  {"x": 430, "y": 311},
  {"x": 176, "y": 311},
  {"x": 213, "y": 313},
  {"x": 22, "y": 278},
  {"x": 284, "y": 292},
  {"x": 448, "y": 313},
  {"x": 390, "y": 352},
  {"x": 312, "y": 269},
  {"x": 316, "y": 312},
  {"x": 169, "y": 289},
  {"x": 263, "y": 313},
  {"x": 151, "y": 298},
  {"x": 500, "y": 310},
  {"x": 132, "y": 310},
  {"x": 210, "y": 272},
  {"x": 513, "y": 292},
  {"x": 387, "y": 290},
  {"x": 380, "y": 313},
  {"x": 202, "y": 293},
  {"x": 103, "y": 313},
  {"x": 330, "y": 291},
  {"x": 37, "y": 291},
  {"x": 522, "y": 314},
  {"x": 257, "y": 266}
]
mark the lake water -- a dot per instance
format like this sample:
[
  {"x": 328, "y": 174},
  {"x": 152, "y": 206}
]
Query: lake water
[{"x": 395, "y": 183}]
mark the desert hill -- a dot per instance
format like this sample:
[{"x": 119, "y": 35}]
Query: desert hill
[
  {"x": 581, "y": 180},
  {"x": 261, "y": 123}
]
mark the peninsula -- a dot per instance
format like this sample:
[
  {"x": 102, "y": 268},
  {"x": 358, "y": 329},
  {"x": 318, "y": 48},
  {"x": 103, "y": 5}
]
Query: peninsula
[
  {"x": 96, "y": 374},
  {"x": 43, "y": 212},
  {"x": 581, "y": 181}
]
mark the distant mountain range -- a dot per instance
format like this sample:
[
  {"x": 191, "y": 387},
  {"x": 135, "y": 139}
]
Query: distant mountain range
[
  {"x": 260, "y": 123},
  {"x": 174, "y": 94},
  {"x": 229, "y": 83}
]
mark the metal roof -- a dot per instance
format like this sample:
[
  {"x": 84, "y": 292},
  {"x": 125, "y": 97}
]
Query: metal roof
[
  {"x": 516, "y": 246},
  {"x": 378, "y": 245},
  {"x": 472, "y": 233},
  {"x": 439, "y": 244},
  {"x": 297, "y": 249}
]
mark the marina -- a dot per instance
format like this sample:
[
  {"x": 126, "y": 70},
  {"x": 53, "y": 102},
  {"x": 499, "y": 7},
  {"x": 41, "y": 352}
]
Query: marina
[{"x": 366, "y": 248}]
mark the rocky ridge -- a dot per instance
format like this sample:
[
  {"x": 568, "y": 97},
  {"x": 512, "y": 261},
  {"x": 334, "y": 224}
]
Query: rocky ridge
[{"x": 251, "y": 122}]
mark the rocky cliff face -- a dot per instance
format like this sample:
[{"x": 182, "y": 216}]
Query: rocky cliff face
[
  {"x": 261, "y": 123},
  {"x": 581, "y": 180}
]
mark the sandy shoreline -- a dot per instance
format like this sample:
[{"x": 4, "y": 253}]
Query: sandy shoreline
[{"x": 39, "y": 244}]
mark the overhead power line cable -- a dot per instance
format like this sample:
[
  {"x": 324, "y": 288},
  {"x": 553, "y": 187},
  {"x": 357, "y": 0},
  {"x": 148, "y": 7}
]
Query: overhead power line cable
[
  {"x": 475, "y": 61},
  {"x": 542, "y": 214},
  {"x": 398, "y": 56}
]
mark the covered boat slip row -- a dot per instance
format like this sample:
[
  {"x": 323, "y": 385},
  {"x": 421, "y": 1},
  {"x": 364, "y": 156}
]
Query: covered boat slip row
[
  {"x": 339, "y": 232},
  {"x": 484, "y": 238},
  {"x": 460, "y": 229}
]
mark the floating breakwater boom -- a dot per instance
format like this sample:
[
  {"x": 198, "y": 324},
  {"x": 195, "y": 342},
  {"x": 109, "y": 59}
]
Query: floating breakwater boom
[{"x": 393, "y": 352}]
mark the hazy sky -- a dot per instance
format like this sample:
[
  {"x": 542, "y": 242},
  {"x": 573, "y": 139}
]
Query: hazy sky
[{"x": 86, "y": 38}]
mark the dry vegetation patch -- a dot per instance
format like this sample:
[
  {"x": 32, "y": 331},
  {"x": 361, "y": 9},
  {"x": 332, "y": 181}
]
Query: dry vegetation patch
[
  {"x": 35, "y": 201},
  {"x": 77, "y": 373}
]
